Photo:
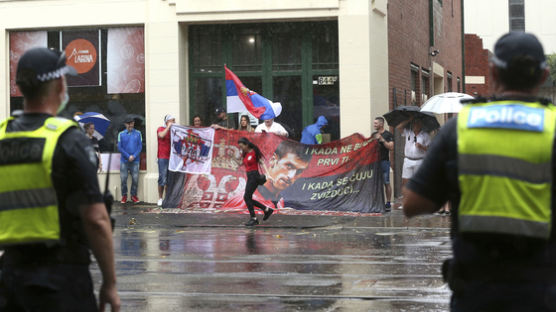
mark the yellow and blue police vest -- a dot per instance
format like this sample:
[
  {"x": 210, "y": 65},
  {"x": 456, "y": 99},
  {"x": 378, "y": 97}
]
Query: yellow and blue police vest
[
  {"x": 505, "y": 168},
  {"x": 28, "y": 203}
]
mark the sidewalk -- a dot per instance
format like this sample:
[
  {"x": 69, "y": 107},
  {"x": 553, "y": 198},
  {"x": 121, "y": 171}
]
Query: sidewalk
[{"x": 148, "y": 215}]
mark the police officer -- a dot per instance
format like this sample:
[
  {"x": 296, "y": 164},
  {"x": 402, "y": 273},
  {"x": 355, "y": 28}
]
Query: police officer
[
  {"x": 51, "y": 208},
  {"x": 495, "y": 164}
]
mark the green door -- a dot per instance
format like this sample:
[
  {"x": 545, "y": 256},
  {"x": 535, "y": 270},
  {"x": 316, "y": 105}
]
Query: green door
[{"x": 281, "y": 61}]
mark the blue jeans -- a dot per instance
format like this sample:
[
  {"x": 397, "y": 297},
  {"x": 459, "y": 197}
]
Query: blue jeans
[
  {"x": 163, "y": 171},
  {"x": 385, "y": 170},
  {"x": 133, "y": 168}
]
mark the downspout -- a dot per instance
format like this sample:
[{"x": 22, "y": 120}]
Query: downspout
[
  {"x": 431, "y": 24},
  {"x": 462, "y": 48}
]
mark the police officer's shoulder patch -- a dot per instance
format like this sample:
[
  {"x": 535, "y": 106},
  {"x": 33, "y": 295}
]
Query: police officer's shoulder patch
[{"x": 507, "y": 116}]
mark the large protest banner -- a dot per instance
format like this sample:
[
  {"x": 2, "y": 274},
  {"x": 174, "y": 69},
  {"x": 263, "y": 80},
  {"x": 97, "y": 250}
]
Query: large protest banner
[{"x": 343, "y": 175}]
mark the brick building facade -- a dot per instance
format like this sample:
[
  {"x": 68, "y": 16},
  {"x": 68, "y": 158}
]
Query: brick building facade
[
  {"x": 425, "y": 48},
  {"x": 477, "y": 79}
]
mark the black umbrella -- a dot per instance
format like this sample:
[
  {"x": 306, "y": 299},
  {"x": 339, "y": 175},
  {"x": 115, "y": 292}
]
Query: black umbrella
[{"x": 403, "y": 113}]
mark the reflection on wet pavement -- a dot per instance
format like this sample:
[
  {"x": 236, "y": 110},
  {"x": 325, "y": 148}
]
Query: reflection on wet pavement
[{"x": 375, "y": 265}]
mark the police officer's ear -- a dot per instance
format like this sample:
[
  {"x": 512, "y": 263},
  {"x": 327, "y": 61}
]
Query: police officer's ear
[
  {"x": 273, "y": 160},
  {"x": 544, "y": 76},
  {"x": 495, "y": 78}
]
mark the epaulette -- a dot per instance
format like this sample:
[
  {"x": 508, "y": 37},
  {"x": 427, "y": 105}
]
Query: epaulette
[{"x": 475, "y": 100}]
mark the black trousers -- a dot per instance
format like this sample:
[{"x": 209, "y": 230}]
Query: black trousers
[
  {"x": 49, "y": 287},
  {"x": 250, "y": 188}
]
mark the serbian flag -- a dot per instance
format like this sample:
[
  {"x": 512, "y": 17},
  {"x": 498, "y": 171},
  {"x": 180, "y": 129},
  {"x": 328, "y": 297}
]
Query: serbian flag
[{"x": 240, "y": 99}]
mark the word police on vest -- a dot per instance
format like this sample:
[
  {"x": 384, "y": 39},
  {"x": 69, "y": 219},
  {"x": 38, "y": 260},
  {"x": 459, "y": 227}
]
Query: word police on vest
[
  {"x": 21, "y": 151},
  {"x": 516, "y": 117}
]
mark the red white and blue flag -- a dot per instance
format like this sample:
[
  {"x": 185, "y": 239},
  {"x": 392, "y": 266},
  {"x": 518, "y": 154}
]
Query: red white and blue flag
[{"x": 241, "y": 99}]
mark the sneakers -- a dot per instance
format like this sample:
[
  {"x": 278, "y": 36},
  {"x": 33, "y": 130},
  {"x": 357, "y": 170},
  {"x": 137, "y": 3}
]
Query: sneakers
[
  {"x": 124, "y": 199},
  {"x": 159, "y": 202},
  {"x": 387, "y": 207},
  {"x": 252, "y": 222},
  {"x": 267, "y": 213},
  {"x": 134, "y": 199}
]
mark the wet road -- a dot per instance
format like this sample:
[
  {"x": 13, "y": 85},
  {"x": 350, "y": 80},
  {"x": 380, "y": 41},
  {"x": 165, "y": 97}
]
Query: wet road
[{"x": 210, "y": 262}]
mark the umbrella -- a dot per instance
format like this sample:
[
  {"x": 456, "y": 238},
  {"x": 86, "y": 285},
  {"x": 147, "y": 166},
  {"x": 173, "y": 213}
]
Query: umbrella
[
  {"x": 445, "y": 103},
  {"x": 99, "y": 120},
  {"x": 403, "y": 113}
]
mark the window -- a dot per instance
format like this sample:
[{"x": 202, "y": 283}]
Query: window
[
  {"x": 449, "y": 82},
  {"x": 425, "y": 85},
  {"x": 459, "y": 84},
  {"x": 113, "y": 84},
  {"x": 295, "y": 64},
  {"x": 425, "y": 82},
  {"x": 517, "y": 15},
  {"x": 414, "y": 83}
]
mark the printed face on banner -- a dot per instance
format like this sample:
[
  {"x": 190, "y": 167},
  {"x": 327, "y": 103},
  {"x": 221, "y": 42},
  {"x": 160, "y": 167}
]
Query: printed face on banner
[{"x": 284, "y": 171}]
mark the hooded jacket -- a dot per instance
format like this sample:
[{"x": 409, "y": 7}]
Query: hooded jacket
[{"x": 311, "y": 134}]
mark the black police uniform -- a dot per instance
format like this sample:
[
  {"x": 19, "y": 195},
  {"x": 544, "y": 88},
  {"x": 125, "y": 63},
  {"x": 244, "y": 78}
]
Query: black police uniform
[
  {"x": 56, "y": 278},
  {"x": 488, "y": 271}
]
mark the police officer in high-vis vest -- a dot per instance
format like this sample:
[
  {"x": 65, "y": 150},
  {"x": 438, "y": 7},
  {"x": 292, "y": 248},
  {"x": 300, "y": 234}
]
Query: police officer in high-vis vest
[
  {"x": 51, "y": 209},
  {"x": 495, "y": 163}
]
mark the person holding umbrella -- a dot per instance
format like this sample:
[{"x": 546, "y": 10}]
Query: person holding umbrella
[
  {"x": 416, "y": 145},
  {"x": 89, "y": 131}
]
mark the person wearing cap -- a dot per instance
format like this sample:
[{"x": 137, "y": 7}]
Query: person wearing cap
[
  {"x": 495, "y": 164},
  {"x": 221, "y": 121},
  {"x": 269, "y": 126},
  {"x": 52, "y": 213},
  {"x": 163, "y": 134},
  {"x": 130, "y": 143}
]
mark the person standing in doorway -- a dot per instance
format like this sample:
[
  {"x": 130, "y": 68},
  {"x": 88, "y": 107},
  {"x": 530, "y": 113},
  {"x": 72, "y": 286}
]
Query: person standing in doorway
[
  {"x": 312, "y": 133},
  {"x": 269, "y": 126},
  {"x": 221, "y": 121},
  {"x": 197, "y": 121},
  {"x": 386, "y": 144},
  {"x": 251, "y": 157},
  {"x": 163, "y": 135},
  {"x": 130, "y": 143},
  {"x": 245, "y": 124}
]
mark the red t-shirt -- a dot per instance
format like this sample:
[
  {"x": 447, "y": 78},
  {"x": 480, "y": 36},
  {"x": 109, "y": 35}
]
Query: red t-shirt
[
  {"x": 250, "y": 161},
  {"x": 163, "y": 144}
]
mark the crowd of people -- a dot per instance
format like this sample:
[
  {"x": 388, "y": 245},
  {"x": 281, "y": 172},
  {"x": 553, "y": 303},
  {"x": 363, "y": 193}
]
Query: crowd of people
[{"x": 494, "y": 162}]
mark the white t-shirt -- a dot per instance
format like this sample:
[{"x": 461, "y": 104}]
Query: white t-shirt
[
  {"x": 411, "y": 149},
  {"x": 275, "y": 128}
]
